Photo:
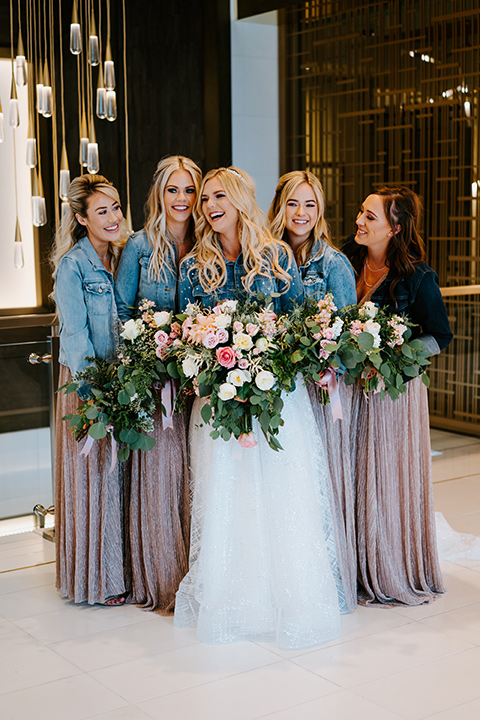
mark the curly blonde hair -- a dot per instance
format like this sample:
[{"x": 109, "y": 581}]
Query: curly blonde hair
[
  {"x": 259, "y": 248},
  {"x": 70, "y": 231},
  {"x": 287, "y": 185},
  {"x": 163, "y": 253}
]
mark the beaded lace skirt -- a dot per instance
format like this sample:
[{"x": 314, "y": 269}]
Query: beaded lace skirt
[
  {"x": 88, "y": 513},
  {"x": 396, "y": 539},
  {"x": 263, "y": 560}
]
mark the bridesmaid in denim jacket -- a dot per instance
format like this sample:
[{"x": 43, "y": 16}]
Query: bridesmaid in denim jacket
[
  {"x": 158, "y": 509},
  {"x": 297, "y": 216},
  {"x": 88, "y": 500}
]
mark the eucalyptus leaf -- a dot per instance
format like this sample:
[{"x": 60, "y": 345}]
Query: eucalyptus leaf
[{"x": 97, "y": 431}]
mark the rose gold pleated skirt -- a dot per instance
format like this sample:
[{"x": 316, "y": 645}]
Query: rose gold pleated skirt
[
  {"x": 88, "y": 513},
  {"x": 396, "y": 541},
  {"x": 337, "y": 440},
  {"x": 158, "y": 516}
]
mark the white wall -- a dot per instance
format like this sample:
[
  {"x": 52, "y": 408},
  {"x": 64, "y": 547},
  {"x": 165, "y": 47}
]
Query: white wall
[
  {"x": 17, "y": 287},
  {"x": 255, "y": 134}
]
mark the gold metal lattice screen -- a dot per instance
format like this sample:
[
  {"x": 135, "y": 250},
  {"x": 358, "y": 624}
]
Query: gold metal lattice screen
[{"x": 388, "y": 92}]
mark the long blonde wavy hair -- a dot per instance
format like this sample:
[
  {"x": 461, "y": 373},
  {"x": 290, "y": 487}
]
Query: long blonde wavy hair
[
  {"x": 259, "y": 248},
  {"x": 287, "y": 185},
  {"x": 163, "y": 253},
  {"x": 70, "y": 231}
]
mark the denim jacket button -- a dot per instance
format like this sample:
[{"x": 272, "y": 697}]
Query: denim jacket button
[{"x": 100, "y": 290}]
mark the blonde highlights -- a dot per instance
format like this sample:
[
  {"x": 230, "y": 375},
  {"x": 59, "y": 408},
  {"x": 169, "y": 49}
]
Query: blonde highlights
[
  {"x": 259, "y": 248},
  {"x": 163, "y": 252},
  {"x": 80, "y": 191},
  {"x": 287, "y": 185}
]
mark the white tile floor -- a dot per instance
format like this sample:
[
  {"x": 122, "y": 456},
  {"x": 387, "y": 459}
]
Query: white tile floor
[{"x": 66, "y": 662}]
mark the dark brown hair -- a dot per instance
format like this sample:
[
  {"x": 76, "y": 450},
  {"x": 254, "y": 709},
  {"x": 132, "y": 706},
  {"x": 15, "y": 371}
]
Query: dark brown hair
[{"x": 406, "y": 248}]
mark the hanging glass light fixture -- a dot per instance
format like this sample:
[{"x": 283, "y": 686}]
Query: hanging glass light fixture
[
  {"x": 65, "y": 208},
  {"x": 2, "y": 124},
  {"x": 111, "y": 99},
  {"x": 39, "y": 210},
  {"x": 14, "y": 116},
  {"x": 93, "y": 48},
  {"x": 46, "y": 93},
  {"x": 101, "y": 107},
  {"x": 109, "y": 68},
  {"x": 39, "y": 89},
  {"x": 20, "y": 63},
  {"x": 31, "y": 156},
  {"x": 83, "y": 150},
  {"x": 18, "y": 260},
  {"x": 64, "y": 183},
  {"x": 75, "y": 32},
  {"x": 93, "y": 164}
]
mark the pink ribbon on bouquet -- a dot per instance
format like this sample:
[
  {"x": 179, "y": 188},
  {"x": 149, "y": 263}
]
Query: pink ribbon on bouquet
[
  {"x": 168, "y": 399},
  {"x": 89, "y": 443},
  {"x": 328, "y": 381}
]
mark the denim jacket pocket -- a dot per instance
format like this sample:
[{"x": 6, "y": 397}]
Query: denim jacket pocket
[{"x": 97, "y": 297}]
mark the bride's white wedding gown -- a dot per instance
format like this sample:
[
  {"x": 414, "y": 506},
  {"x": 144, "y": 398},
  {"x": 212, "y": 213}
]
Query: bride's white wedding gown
[{"x": 262, "y": 557}]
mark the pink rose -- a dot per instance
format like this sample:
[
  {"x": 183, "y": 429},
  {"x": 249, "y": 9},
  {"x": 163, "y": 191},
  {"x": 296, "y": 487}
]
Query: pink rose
[
  {"x": 159, "y": 350},
  {"x": 222, "y": 335},
  {"x": 226, "y": 357},
  {"x": 243, "y": 364},
  {"x": 252, "y": 329},
  {"x": 186, "y": 325},
  {"x": 237, "y": 326},
  {"x": 210, "y": 340},
  {"x": 175, "y": 330},
  {"x": 247, "y": 440},
  {"x": 161, "y": 338}
]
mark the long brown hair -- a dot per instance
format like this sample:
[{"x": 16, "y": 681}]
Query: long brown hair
[{"x": 406, "y": 249}]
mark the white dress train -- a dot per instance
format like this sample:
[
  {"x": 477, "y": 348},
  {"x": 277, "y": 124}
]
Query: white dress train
[{"x": 262, "y": 554}]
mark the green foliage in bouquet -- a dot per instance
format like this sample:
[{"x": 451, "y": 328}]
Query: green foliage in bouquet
[
  {"x": 121, "y": 402},
  {"x": 376, "y": 350},
  {"x": 230, "y": 355},
  {"x": 124, "y": 393}
]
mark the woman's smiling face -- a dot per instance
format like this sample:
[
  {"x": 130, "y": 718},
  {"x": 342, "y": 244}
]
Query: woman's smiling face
[{"x": 220, "y": 213}]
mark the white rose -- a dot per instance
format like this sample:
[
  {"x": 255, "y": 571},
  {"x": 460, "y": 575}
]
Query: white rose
[
  {"x": 222, "y": 320},
  {"x": 372, "y": 327},
  {"x": 161, "y": 318},
  {"x": 337, "y": 327},
  {"x": 265, "y": 380},
  {"x": 227, "y": 391},
  {"x": 368, "y": 309},
  {"x": 229, "y": 305},
  {"x": 189, "y": 367},
  {"x": 132, "y": 329},
  {"x": 236, "y": 377},
  {"x": 242, "y": 341},
  {"x": 262, "y": 344}
]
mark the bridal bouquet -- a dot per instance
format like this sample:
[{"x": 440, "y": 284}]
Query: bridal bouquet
[
  {"x": 376, "y": 349},
  {"x": 231, "y": 356},
  {"x": 122, "y": 398}
]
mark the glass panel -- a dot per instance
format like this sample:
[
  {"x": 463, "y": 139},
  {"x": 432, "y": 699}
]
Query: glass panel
[{"x": 25, "y": 445}]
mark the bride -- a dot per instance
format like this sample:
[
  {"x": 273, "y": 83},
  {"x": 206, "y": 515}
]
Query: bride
[{"x": 263, "y": 563}]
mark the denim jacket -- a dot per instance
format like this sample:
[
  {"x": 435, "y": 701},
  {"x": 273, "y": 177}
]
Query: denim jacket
[
  {"x": 190, "y": 289},
  {"x": 328, "y": 270},
  {"x": 418, "y": 297},
  {"x": 133, "y": 283},
  {"x": 85, "y": 300}
]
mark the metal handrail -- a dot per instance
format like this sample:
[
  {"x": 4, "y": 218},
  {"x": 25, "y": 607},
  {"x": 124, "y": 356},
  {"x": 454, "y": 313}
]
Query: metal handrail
[{"x": 460, "y": 290}]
